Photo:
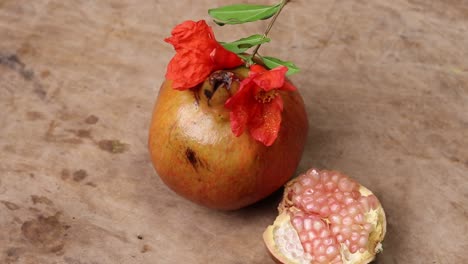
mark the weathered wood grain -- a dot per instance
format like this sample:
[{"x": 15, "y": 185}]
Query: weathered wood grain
[{"x": 386, "y": 86}]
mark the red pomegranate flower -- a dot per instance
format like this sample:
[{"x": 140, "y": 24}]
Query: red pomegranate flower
[
  {"x": 257, "y": 105},
  {"x": 197, "y": 55}
]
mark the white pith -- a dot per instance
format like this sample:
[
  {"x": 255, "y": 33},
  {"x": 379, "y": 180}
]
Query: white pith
[{"x": 289, "y": 244}]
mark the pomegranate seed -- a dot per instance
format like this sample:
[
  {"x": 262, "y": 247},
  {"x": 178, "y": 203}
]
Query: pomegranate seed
[
  {"x": 347, "y": 243},
  {"x": 305, "y": 181},
  {"x": 316, "y": 242},
  {"x": 312, "y": 207},
  {"x": 348, "y": 200},
  {"x": 339, "y": 196},
  {"x": 355, "y": 194},
  {"x": 322, "y": 259},
  {"x": 335, "y": 219},
  {"x": 314, "y": 174},
  {"x": 318, "y": 225},
  {"x": 297, "y": 187},
  {"x": 345, "y": 185},
  {"x": 321, "y": 199},
  {"x": 368, "y": 227},
  {"x": 304, "y": 236},
  {"x": 343, "y": 212},
  {"x": 331, "y": 251},
  {"x": 307, "y": 224},
  {"x": 325, "y": 177},
  {"x": 340, "y": 238},
  {"x": 320, "y": 250},
  {"x": 328, "y": 241},
  {"x": 297, "y": 199},
  {"x": 359, "y": 218},
  {"x": 306, "y": 199},
  {"x": 353, "y": 248},
  {"x": 336, "y": 229},
  {"x": 364, "y": 203},
  {"x": 307, "y": 247},
  {"x": 312, "y": 236},
  {"x": 353, "y": 209},
  {"x": 330, "y": 186},
  {"x": 347, "y": 220},
  {"x": 335, "y": 177},
  {"x": 362, "y": 241},
  {"x": 354, "y": 236},
  {"x": 297, "y": 223},
  {"x": 346, "y": 231},
  {"x": 324, "y": 211},
  {"x": 324, "y": 233},
  {"x": 335, "y": 207}
]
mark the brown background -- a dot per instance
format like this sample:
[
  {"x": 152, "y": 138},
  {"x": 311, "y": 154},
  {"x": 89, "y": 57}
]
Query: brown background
[{"x": 386, "y": 88}]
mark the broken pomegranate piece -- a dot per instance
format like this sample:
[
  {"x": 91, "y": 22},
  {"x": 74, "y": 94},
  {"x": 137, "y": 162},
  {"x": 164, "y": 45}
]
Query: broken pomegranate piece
[{"x": 326, "y": 217}]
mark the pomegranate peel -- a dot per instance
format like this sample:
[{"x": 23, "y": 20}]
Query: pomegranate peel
[
  {"x": 308, "y": 234},
  {"x": 196, "y": 154}
]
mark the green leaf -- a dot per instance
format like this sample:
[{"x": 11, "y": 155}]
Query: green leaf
[
  {"x": 241, "y": 45},
  {"x": 271, "y": 63},
  {"x": 242, "y": 13}
]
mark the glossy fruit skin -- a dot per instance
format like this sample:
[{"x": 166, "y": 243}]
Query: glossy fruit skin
[{"x": 196, "y": 154}]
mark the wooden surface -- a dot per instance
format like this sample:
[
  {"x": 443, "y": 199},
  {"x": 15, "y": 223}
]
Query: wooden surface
[{"x": 386, "y": 88}]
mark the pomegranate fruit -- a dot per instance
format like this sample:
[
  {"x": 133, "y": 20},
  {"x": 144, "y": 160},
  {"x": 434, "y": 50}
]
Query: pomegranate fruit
[
  {"x": 196, "y": 153},
  {"x": 326, "y": 217}
]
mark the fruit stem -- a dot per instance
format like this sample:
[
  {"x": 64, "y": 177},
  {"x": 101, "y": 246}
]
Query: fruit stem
[{"x": 270, "y": 25}]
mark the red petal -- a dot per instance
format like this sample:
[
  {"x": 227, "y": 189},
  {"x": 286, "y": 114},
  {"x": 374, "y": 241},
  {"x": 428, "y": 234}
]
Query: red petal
[
  {"x": 266, "y": 124},
  {"x": 288, "y": 86},
  {"x": 198, "y": 54},
  {"x": 192, "y": 35},
  {"x": 239, "y": 117},
  {"x": 279, "y": 102},
  {"x": 224, "y": 59},
  {"x": 188, "y": 69},
  {"x": 257, "y": 68},
  {"x": 272, "y": 79},
  {"x": 241, "y": 105}
]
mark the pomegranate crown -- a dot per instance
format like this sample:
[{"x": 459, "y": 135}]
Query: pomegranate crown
[{"x": 256, "y": 106}]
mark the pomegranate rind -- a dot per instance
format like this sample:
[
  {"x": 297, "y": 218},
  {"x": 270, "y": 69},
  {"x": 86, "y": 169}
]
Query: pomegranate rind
[
  {"x": 376, "y": 217},
  {"x": 195, "y": 153}
]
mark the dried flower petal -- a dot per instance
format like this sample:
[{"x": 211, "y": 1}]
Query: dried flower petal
[
  {"x": 192, "y": 35},
  {"x": 198, "y": 54},
  {"x": 188, "y": 68}
]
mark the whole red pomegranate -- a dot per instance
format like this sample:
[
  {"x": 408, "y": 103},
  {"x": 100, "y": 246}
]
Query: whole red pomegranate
[
  {"x": 197, "y": 155},
  {"x": 224, "y": 135},
  {"x": 326, "y": 217}
]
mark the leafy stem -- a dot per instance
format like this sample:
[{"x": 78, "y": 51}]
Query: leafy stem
[
  {"x": 270, "y": 25},
  {"x": 245, "y": 13}
]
